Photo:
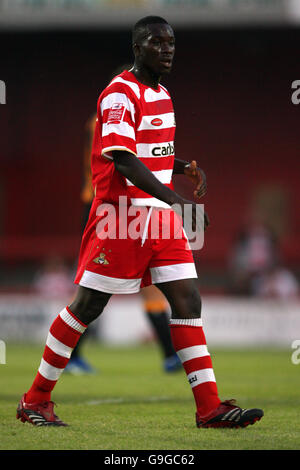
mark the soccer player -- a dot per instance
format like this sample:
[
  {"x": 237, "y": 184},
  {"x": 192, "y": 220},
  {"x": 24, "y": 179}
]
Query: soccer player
[
  {"x": 154, "y": 302},
  {"x": 133, "y": 157}
]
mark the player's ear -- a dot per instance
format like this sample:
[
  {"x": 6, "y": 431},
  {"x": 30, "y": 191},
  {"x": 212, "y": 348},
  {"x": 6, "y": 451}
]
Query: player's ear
[{"x": 136, "y": 49}]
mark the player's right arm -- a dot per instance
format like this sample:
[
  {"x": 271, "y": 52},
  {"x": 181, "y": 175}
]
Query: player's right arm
[{"x": 139, "y": 175}]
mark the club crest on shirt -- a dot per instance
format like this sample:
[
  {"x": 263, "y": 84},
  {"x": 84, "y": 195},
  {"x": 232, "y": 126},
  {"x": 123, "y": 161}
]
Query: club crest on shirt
[
  {"x": 116, "y": 113},
  {"x": 101, "y": 259}
]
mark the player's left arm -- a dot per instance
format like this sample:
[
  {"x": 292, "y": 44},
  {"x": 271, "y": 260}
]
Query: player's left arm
[{"x": 194, "y": 173}]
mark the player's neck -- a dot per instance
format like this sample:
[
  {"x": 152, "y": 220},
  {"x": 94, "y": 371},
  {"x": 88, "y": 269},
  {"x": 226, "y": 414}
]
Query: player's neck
[{"x": 145, "y": 76}]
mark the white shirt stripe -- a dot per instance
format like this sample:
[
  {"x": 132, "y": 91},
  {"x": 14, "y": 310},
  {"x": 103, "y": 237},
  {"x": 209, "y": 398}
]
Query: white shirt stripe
[
  {"x": 133, "y": 86},
  {"x": 187, "y": 354},
  {"x": 164, "y": 176},
  {"x": 122, "y": 128},
  {"x": 150, "y": 95},
  {"x": 163, "y": 149},
  {"x": 201, "y": 376},
  {"x": 168, "y": 121}
]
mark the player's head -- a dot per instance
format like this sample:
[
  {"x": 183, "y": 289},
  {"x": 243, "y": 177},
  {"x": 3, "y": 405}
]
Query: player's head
[{"x": 153, "y": 44}]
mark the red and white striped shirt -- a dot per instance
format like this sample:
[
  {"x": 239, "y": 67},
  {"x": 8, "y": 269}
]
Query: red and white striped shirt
[{"x": 140, "y": 120}]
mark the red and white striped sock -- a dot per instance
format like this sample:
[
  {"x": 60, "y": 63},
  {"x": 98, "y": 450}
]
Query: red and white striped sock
[
  {"x": 62, "y": 338},
  {"x": 190, "y": 344}
]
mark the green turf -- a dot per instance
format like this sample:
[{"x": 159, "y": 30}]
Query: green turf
[{"x": 131, "y": 404}]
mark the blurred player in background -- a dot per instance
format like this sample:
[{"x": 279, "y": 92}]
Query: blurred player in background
[
  {"x": 255, "y": 266},
  {"x": 155, "y": 304},
  {"x": 133, "y": 157},
  {"x": 54, "y": 276}
]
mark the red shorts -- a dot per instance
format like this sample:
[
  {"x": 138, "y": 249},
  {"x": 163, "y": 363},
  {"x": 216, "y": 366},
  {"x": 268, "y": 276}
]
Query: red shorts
[{"x": 151, "y": 249}]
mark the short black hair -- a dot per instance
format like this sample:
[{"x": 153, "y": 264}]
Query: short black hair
[{"x": 141, "y": 25}]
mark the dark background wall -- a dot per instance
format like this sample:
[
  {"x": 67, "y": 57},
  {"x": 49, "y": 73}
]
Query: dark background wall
[{"x": 232, "y": 98}]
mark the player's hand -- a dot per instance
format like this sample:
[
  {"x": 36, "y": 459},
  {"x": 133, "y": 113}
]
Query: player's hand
[
  {"x": 195, "y": 208},
  {"x": 197, "y": 176}
]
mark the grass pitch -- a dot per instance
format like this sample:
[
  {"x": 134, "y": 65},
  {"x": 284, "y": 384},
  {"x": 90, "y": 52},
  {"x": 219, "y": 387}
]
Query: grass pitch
[{"x": 131, "y": 404}]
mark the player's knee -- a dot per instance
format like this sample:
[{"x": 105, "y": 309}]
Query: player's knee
[
  {"x": 89, "y": 304},
  {"x": 188, "y": 304},
  {"x": 194, "y": 304}
]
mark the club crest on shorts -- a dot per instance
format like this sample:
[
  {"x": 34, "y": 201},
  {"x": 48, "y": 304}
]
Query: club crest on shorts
[{"x": 101, "y": 259}]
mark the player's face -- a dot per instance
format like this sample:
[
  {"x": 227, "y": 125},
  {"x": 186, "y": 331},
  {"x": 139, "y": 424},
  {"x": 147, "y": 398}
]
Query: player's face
[{"x": 156, "y": 50}]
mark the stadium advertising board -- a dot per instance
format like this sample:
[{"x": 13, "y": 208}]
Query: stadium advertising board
[{"x": 229, "y": 322}]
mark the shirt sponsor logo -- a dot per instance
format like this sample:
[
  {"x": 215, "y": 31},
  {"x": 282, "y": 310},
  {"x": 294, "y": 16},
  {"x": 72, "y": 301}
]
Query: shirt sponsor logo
[
  {"x": 116, "y": 113},
  {"x": 163, "y": 151},
  {"x": 156, "y": 122}
]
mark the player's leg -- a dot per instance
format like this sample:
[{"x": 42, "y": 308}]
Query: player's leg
[
  {"x": 77, "y": 364},
  {"x": 156, "y": 311},
  {"x": 173, "y": 272},
  {"x": 190, "y": 344},
  {"x": 63, "y": 336}
]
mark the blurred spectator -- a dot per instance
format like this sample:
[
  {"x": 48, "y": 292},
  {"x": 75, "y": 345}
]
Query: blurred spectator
[
  {"x": 253, "y": 254},
  {"x": 277, "y": 282},
  {"x": 255, "y": 267},
  {"x": 54, "y": 279}
]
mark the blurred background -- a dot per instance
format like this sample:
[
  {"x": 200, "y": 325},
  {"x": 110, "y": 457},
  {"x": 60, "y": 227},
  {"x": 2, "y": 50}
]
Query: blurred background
[{"x": 232, "y": 88}]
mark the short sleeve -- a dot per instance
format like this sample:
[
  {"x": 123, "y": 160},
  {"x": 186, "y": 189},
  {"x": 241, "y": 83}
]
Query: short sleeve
[{"x": 118, "y": 121}]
